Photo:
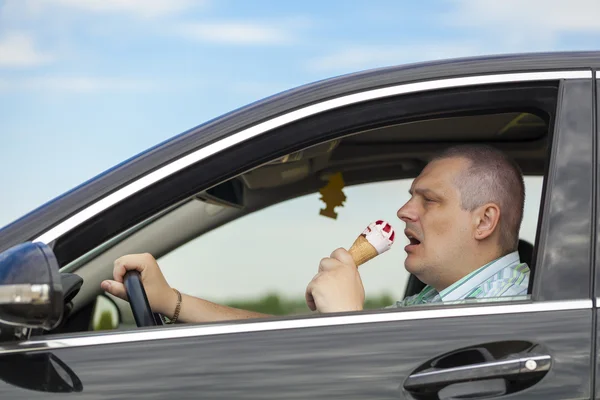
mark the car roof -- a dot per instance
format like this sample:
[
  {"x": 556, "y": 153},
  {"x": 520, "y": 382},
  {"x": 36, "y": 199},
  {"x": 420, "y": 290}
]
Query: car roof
[
  {"x": 466, "y": 66},
  {"x": 51, "y": 213}
]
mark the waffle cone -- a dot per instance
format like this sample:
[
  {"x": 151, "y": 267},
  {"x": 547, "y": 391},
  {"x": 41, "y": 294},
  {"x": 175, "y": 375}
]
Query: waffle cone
[{"x": 362, "y": 251}]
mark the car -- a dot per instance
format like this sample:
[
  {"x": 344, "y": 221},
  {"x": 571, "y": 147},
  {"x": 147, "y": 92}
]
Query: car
[{"x": 364, "y": 129}]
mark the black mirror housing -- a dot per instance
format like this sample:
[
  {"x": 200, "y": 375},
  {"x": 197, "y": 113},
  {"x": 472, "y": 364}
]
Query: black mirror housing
[{"x": 31, "y": 292}]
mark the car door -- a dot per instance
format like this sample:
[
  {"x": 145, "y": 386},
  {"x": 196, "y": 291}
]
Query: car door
[
  {"x": 539, "y": 347},
  {"x": 597, "y": 270}
]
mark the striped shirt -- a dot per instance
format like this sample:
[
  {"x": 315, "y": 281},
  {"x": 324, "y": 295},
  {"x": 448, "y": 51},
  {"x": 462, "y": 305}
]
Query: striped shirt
[{"x": 505, "y": 276}]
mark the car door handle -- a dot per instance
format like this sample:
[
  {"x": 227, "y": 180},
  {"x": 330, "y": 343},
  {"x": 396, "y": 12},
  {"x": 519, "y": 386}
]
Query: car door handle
[{"x": 518, "y": 365}]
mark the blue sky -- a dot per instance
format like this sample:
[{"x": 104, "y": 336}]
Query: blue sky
[{"x": 85, "y": 84}]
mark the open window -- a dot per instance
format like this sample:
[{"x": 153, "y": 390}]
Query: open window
[
  {"x": 254, "y": 240},
  {"x": 263, "y": 261}
]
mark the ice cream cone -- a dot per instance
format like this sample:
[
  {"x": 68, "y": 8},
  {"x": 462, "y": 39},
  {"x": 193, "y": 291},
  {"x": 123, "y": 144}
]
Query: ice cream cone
[
  {"x": 362, "y": 251},
  {"x": 377, "y": 238}
]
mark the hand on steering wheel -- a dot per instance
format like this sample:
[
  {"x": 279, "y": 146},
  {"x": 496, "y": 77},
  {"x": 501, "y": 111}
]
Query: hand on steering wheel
[
  {"x": 140, "y": 307},
  {"x": 139, "y": 280}
]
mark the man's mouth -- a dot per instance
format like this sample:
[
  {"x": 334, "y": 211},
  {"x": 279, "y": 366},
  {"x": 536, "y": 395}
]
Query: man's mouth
[
  {"x": 412, "y": 238},
  {"x": 414, "y": 241}
]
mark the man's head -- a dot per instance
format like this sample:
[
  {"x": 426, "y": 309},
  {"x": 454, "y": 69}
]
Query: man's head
[{"x": 465, "y": 210}]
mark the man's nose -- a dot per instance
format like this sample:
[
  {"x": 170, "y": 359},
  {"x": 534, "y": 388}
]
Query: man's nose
[{"x": 407, "y": 212}]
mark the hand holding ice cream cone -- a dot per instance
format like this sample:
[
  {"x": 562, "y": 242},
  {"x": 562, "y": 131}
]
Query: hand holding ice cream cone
[{"x": 338, "y": 286}]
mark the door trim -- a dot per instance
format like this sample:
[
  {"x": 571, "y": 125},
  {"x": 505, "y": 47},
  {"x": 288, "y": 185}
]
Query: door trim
[
  {"x": 261, "y": 128},
  {"x": 213, "y": 329}
]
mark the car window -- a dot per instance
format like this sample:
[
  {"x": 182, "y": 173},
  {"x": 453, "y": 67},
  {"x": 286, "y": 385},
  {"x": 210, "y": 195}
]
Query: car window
[
  {"x": 215, "y": 245},
  {"x": 264, "y": 261}
]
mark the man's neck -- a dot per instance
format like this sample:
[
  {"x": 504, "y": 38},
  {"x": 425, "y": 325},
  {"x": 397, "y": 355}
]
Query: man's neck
[{"x": 465, "y": 268}]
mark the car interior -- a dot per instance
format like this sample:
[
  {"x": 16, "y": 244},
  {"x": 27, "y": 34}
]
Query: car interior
[{"x": 385, "y": 153}]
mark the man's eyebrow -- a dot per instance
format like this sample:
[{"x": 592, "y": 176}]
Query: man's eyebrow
[{"x": 423, "y": 192}]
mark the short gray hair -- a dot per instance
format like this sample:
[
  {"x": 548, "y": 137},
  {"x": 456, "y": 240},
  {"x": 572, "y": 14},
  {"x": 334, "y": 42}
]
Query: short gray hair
[{"x": 491, "y": 177}]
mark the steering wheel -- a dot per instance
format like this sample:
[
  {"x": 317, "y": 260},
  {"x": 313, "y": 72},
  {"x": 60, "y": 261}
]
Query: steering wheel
[{"x": 138, "y": 301}]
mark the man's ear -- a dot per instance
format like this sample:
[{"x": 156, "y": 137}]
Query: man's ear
[{"x": 486, "y": 220}]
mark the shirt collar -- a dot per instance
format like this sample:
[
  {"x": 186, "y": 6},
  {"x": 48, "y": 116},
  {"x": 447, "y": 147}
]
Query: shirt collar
[{"x": 462, "y": 287}]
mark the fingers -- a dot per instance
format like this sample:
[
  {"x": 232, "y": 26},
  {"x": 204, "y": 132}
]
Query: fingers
[
  {"x": 130, "y": 262},
  {"x": 337, "y": 258},
  {"x": 115, "y": 288},
  {"x": 343, "y": 256},
  {"x": 327, "y": 264}
]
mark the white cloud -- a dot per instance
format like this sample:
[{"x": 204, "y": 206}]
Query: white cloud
[
  {"x": 527, "y": 20},
  {"x": 134, "y": 8},
  {"x": 18, "y": 50},
  {"x": 231, "y": 32},
  {"x": 78, "y": 84},
  {"x": 365, "y": 57},
  {"x": 480, "y": 27}
]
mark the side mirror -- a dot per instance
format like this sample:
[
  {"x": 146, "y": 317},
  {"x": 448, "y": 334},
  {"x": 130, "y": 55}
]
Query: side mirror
[{"x": 31, "y": 292}]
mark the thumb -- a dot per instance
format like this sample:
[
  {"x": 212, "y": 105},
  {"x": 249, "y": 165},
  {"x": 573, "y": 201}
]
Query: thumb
[
  {"x": 308, "y": 296},
  {"x": 310, "y": 301},
  {"x": 115, "y": 288},
  {"x": 343, "y": 256}
]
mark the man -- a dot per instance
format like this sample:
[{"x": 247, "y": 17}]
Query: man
[{"x": 462, "y": 221}]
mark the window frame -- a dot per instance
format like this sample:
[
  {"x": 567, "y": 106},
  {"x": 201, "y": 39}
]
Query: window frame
[
  {"x": 172, "y": 332},
  {"x": 571, "y": 177}
]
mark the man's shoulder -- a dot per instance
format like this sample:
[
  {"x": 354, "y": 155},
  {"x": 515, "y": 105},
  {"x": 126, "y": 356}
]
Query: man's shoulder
[
  {"x": 512, "y": 280},
  {"x": 427, "y": 295},
  {"x": 516, "y": 273}
]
